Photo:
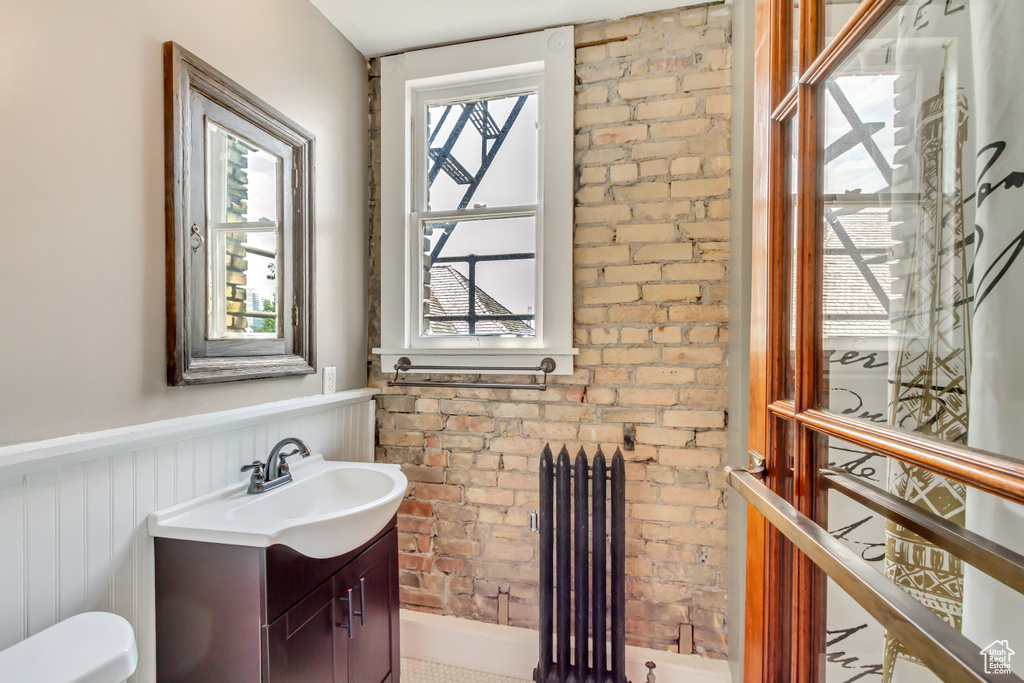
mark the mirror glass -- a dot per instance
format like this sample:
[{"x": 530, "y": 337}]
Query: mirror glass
[
  {"x": 243, "y": 196},
  {"x": 240, "y": 231}
]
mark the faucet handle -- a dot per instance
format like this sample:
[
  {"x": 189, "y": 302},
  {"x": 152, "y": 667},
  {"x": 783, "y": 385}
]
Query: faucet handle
[
  {"x": 282, "y": 467},
  {"x": 258, "y": 467}
]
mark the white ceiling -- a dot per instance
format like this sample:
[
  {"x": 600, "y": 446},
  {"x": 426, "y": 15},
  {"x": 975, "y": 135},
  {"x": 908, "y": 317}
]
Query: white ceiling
[{"x": 381, "y": 27}]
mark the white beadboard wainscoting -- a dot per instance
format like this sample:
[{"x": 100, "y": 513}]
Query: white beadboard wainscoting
[{"x": 73, "y": 535}]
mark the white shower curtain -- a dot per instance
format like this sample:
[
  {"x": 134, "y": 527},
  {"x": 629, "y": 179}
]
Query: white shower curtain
[
  {"x": 929, "y": 355},
  {"x": 993, "y": 611},
  {"x": 986, "y": 41}
]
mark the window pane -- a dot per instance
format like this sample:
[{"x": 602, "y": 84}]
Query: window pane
[
  {"x": 482, "y": 152},
  {"x": 243, "y": 184},
  {"x": 858, "y": 648},
  {"x": 790, "y": 246},
  {"x": 489, "y": 262},
  {"x": 922, "y": 226},
  {"x": 837, "y": 13},
  {"x": 794, "y": 32},
  {"x": 922, "y": 285},
  {"x": 978, "y": 606}
]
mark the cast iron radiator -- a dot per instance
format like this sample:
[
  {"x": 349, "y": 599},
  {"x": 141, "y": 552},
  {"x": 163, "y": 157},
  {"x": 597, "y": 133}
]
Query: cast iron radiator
[{"x": 582, "y": 570}]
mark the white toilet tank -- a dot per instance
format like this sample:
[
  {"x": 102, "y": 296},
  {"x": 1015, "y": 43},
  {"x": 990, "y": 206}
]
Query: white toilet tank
[{"x": 94, "y": 647}]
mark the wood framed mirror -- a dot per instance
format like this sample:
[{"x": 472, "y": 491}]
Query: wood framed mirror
[{"x": 240, "y": 231}]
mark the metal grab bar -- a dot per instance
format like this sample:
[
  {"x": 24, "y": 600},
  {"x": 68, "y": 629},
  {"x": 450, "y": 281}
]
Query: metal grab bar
[
  {"x": 999, "y": 562},
  {"x": 547, "y": 366},
  {"x": 925, "y": 634}
]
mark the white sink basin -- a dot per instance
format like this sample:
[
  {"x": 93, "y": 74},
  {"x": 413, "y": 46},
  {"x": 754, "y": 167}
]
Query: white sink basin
[{"x": 328, "y": 509}]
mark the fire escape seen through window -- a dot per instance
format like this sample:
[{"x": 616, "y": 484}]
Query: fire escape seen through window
[{"x": 479, "y": 228}]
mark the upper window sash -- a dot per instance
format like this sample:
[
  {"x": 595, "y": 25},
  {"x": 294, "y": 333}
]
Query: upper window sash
[{"x": 472, "y": 87}]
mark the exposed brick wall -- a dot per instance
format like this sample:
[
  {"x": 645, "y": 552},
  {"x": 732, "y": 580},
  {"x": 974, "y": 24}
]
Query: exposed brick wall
[{"x": 650, "y": 266}]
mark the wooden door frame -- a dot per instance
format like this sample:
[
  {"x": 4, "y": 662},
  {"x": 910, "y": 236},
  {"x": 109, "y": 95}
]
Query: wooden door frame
[
  {"x": 763, "y": 608},
  {"x": 784, "y": 609}
]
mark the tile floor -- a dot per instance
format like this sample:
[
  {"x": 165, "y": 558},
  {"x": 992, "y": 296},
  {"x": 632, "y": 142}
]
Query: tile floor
[{"x": 418, "y": 671}]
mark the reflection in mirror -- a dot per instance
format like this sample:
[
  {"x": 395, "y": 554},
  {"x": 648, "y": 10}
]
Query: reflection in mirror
[
  {"x": 243, "y": 186},
  {"x": 241, "y": 274}
]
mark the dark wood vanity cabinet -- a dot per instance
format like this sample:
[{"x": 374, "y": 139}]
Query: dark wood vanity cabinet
[
  {"x": 301, "y": 643},
  {"x": 233, "y": 613}
]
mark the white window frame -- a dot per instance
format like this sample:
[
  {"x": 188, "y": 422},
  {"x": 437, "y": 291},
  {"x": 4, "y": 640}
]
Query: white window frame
[{"x": 543, "y": 62}]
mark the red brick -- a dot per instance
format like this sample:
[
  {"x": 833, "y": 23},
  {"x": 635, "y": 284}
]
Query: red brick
[{"x": 416, "y": 508}]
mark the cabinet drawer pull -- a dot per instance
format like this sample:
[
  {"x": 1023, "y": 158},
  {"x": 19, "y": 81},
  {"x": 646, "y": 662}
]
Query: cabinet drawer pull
[
  {"x": 352, "y": 611},
  {"x": 362, "y": 602},
  {"x": 348, "y": 601}
]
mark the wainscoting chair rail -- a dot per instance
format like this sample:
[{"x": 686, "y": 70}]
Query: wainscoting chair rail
[
  {"x": 999, "y": 562},
  {"x": 547, "y": 366},
  {"x": 24, "y": 458},
  {"x": 926, "y": 635}
]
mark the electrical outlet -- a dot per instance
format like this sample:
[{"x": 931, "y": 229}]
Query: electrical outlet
[{"x": 330, "y": 380}]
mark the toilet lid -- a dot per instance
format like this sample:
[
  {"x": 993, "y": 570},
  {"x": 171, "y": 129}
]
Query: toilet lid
[{"x": 94, "y": 647}]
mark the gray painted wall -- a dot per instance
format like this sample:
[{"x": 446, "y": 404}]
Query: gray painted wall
[{"x": 82, "y": 200}]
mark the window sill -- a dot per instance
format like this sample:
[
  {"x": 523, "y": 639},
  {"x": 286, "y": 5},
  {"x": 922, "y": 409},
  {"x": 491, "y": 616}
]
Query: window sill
[{"x": 499, "y": 359}]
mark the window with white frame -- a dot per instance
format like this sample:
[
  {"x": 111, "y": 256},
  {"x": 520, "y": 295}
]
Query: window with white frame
[{"x": 476, "y": 203}]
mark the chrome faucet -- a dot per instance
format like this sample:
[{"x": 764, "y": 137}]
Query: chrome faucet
[{"x": 275, "y": 472}]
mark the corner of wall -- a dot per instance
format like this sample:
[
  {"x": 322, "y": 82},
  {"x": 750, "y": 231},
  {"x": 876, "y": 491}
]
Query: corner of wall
[{"x": 739, "y": 320}]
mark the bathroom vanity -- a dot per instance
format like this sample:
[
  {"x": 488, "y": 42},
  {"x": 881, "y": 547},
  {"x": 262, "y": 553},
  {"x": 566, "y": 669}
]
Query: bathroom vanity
[
  {"x": 233, "y": 613},
  {"x": 292, "y": 582}
]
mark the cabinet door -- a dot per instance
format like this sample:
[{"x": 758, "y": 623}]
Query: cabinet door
[
  {"x": 301, "y": 647},
  {"x": 367, "y": 590}
]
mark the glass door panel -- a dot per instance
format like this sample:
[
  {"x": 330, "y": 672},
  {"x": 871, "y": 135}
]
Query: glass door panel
[
  {"x": 922, "y": 230},
  {"x": 785, "y": 444},
  {"x": 920, "y": 191},
  {"x": 951, "y": 584},
  {"x": 788, "y": 312},
  {"x": 931, "y": 575},
  {"x": 837, "y": 13},
  {"x": 858, "y": 648},
  {"x": 794, "y": 35}
]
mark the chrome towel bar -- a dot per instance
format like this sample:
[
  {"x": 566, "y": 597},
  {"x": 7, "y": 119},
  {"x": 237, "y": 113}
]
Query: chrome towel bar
[
  {"x": 547, "y": 366},
  {"x": 1001, "y": 563},
  {"x": 926, "y": 635}
]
